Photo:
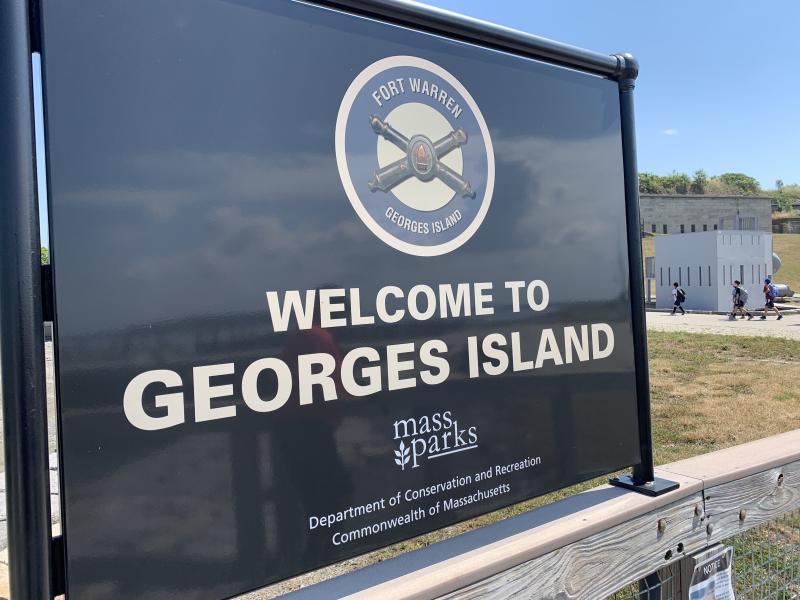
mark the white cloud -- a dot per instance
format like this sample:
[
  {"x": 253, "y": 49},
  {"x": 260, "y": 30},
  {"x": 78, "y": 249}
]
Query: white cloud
[{"x": 670, "y": 132}]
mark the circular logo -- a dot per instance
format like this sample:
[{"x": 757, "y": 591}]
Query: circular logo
[{"x": 414, "y": 155}]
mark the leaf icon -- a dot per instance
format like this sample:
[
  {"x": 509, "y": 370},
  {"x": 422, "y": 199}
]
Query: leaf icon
[{"x": 403, "y": 455}]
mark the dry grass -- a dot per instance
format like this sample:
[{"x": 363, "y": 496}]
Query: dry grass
[
  {"x": 708, "y": 392},
  {"x": 648, "y": 246},
  {"x": 787, "y": 246},
  {"x": 711, "y": 392}
]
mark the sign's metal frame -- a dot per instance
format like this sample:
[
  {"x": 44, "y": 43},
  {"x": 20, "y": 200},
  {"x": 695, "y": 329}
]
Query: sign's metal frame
[{"x": 33, "y": 557}]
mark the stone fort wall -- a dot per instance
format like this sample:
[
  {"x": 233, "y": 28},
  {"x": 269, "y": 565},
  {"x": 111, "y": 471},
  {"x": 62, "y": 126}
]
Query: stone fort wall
[{"x": 686, "y": 213}]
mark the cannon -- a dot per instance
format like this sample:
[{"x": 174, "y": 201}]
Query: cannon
[{"x": 784, "y": 291}]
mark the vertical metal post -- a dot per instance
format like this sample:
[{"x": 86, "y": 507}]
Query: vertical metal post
[
  {"x": 643, "y": 478},
  {"x": 21, "y": 329},
  {"x": 627, "y": 81}
]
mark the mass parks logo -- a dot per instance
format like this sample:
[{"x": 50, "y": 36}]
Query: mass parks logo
[
  {"x": 414, "y": 155},
  {"x": 429, "y": 437}
]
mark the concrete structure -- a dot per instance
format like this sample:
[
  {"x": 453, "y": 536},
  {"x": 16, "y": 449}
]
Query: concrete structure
[
  {"x": 795, "y": 205},
  {"x": 705, "y": 265},
  {"x": 691, "y": 213},
  {"x": 786, "y": 225}
]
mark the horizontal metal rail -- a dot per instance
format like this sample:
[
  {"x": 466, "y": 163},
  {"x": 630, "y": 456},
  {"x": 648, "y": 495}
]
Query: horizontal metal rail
[
  {"x": 443, "y": 22},
  {"x": 592, "y": 544}
]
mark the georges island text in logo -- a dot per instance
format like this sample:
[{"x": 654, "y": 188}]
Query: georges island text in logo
[
  {"x": 414, "y": 155},
  {"x": 430, "y": 437}
]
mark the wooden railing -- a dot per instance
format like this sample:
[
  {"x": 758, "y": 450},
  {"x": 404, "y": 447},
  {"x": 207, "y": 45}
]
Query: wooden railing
[{"x": 593, "y": 544}]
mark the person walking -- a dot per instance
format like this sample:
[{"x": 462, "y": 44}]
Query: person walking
[
  {"x": 739, "y": 300},
  {"x": 770, "y": 293},
  {"x": 678, "y": 298}
]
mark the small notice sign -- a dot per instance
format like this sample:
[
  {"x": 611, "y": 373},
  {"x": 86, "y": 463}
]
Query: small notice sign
[{"x": 712, "y": 579}]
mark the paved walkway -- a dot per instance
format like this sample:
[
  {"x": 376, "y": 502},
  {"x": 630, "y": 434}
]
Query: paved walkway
[{"x": 788, "y": 327}]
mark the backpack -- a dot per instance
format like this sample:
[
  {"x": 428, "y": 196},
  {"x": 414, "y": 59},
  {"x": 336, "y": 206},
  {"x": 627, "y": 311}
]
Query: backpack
[
  {"x": 681, "y": 295},
  {"x": 772, "y": 290},
  {"x": 742, "y": 295}
]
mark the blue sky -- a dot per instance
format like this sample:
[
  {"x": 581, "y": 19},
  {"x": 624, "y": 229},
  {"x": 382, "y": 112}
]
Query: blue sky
[
  {"x": 719, "y": 86},
  {"x": 40, "y": 179}
]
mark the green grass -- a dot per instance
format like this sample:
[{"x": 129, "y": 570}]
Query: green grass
[
  {"x": 765, "y": 558},
  {"x": 688, "y": 350}
]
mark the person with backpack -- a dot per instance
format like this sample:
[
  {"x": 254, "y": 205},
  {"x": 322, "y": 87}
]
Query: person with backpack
[
  {"x": 739, "y": 300},
  {"x": 770, "y": 293},
  {"x": 678, "y": 298}
]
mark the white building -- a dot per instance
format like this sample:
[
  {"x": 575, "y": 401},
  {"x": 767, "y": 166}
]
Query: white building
[{"x": 705, "y": 264}]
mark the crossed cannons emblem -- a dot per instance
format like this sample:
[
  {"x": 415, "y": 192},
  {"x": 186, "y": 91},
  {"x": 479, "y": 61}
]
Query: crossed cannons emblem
[{"x": 422, "y": 160}]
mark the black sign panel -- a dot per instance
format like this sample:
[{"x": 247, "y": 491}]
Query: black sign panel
[{"x": 322, "y": 283}]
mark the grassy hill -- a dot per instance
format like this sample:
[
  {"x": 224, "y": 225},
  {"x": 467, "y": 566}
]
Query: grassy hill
[{"x": 787, "y": 246}]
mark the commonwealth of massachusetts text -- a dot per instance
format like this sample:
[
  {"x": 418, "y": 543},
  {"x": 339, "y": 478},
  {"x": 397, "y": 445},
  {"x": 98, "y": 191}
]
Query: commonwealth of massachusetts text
[{"x": 414, "y": 496}]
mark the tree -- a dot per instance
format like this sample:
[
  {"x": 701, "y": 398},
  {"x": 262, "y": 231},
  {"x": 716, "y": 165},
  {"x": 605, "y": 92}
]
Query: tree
[
  {"x": 784, "y": 202},
  {"x": 699, "y": 182},
  {"x": 727, "y": 184},
  {"x": 792, "y": 190},
  {"x": 740, "y": 184},
  {"x": 45, "y": 254},
  {"x": 779, "y": 184},
  {"x": 650, "y": 183},
  {"x": 677, "y": 183}
]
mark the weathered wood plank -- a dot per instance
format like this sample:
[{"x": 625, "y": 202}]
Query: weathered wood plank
[
  {"x": 730, "y": 464},
  {"x": 740, "y": 505},
  {"x": 596, "y": 566},
  {"x": 676, "y": 578},
  {"x": 590, "y": 545},
  {"x": 564, "y": 522}
]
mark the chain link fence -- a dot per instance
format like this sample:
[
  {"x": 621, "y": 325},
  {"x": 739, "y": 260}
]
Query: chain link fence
[
  {"x": 654, "y": 587},
  {"x": 767, "y": 560},
  {"x": 766, "y": 566}
]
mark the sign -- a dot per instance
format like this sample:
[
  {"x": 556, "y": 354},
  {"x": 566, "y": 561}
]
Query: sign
[
  {"x": 712, "y": 579},
  {"x": 434, "y": 155},
  {"x": 323, "y": 283}
]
